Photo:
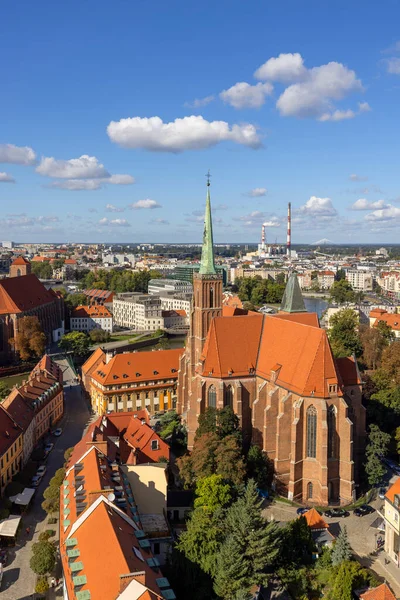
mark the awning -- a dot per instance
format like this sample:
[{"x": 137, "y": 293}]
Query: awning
[
  {"x": 8, "y": 527},
  {"x": 24, "y": 497}
]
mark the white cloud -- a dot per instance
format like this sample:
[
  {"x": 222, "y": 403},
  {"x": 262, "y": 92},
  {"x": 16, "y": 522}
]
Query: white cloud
[
  {"x": 17, "y": 155},
  {"x": 354, "y": 177},
  {"x": 22, "y": 221},
  {"x": 76, "y": 168},
  {"x": 199, "y": 102},
  {"x": 6, "y": 178},
  {"x": 273, "y": 223},
  {"x": 112, "y": 208},
  {"x": 256, "y": 218},
  {"x": 364, "y": 204},
  {"x": 364, "y": 107},
  {"x": 337, "y": 115},
  {"x": 244, "y": 95},
  {"x": 76, "y": 185},
  {"x": 286, "y": 68},
  {"x": 319, "y": 207},
  {"x": 159, "y": 221},
  {"x": 256, "y": 192},
  {"x": 188, "y": 133},
  {"x": 393, "y": 65},
  {"x": 390, "y": 213},
  {"x": 114, "y": 222},
  {"x": 313, "y": 96},
  {"x": 120, "y": 180},
  {"x": 145, "y": 204}
]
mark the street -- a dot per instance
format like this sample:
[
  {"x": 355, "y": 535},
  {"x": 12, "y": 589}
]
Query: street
[
  {"x": 362, "y": 537},
  {"x": 18, "y": 579}
]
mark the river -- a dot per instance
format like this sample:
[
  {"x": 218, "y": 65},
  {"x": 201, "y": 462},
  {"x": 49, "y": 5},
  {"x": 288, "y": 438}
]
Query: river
[{"x": 317, "y": 305}]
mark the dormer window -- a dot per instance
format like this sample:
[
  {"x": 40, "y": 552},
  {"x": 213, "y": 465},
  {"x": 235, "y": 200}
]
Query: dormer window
[{"x": 332, "y": 388}]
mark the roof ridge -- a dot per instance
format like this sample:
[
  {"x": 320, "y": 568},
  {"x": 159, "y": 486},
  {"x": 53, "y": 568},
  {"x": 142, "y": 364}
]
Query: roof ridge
[
  {"x": 316, "y": 354},
  {"x": 260, "y": 340},
  {"x": 214, "y": 327}
]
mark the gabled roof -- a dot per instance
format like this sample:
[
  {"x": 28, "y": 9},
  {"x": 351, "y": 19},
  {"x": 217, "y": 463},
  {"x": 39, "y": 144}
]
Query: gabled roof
[
  {"x": 21, "y": 294},
  {"x": 20, "y": 411},
  {"x": 393, "y": 491},
  {"x": 314, "y": 519},
  {"x": 9, "y": 430},
  {"x": 87, "y": 312},
  {"x": 382, "y": 592},
  {"x": 20, "y": 261},
  {"x": 306, "y": 318},
  {"x": 98, "y": 354},
  {"x": 348, "y": 370}
]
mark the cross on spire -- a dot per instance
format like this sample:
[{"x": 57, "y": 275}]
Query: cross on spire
[{"x": 208, "y": 175}]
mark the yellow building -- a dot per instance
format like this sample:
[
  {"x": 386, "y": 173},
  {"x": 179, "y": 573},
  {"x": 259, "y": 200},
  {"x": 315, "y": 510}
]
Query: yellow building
[
  {"x": 392, "y": 522},
  {"x": 11, "y": 448},
  {"x": 132, "y": 381}
]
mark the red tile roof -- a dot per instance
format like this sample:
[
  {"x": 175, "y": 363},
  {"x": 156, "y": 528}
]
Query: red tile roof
[
  {"x": 393, "y": 320},
  {"x": 237, "y": 345},
  {"x": 21, "y": 294},
  {"x": 348, "y": 370},
  {"x": 139, "y": 366},
  {"x": 305, "y": 318},
  {"x": 9, "y": 431},
  {"x": 382, "y": 592},
  {"x": 87, "y": 312},
  {"x": 20, "y": 411},
  {"x": 314, "y": 520},
  {"x": 393, "y": 491},
  {"x": 20, "y": 261}
]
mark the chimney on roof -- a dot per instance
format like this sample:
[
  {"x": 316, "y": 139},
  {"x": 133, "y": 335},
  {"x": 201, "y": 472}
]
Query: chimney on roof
[{"x": 109, "y": 356}]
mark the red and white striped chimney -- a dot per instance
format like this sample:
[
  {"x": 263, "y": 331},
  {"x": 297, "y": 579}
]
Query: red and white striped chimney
[
  {"x": 262, "y": 236},
  {"x": 289, "y": 236}
]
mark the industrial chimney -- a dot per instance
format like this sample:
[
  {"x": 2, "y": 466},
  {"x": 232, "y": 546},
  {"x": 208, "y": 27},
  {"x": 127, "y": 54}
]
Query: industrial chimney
[
  {"x": 288, "y": 239},
  {"x": 262, "y": 237}
]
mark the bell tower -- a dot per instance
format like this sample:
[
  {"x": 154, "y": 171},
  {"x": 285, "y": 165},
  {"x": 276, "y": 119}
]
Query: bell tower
[{"x": 207, "y": 291}]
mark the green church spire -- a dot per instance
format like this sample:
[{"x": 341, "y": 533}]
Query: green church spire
[
  {"x": 292, "y": 301},
  {"x": 207, "y": 265}
]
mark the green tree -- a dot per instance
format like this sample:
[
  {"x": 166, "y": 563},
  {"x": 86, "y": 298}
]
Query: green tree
[
  {"x": 227, "y": 423},
  {"x": 76, "y": 299},
  {"x": 373, "y": 343},
  {"x": 346, "y": 578},
  {"x": 397, "y": 439},
  {"x": 229, "y": 459},
  {"x": 341, "y": 292},
  {"x": 343, "y": 333},
  {"x": 42, "y": 585},
  {"x": 201, "y": 541},
  {"x": 43, "y": 558},
  {"x": 42, "y": 270},
  {"x": 251, "y": 547},
  {"x": 298, "y": 545},
  {"x": 378, "y": 443},
  {"x": 259, "y": 467},
  {"x": 207, "y": 422},
  {"x": 342, "y": 549},
  {"x": 76, "y": 341},
  {"x": 4, "y": 390},
  {"x": 386, "y": 331},
  {"x": 391, "y": 362},
  {"x": 29, "y": 340},
  {"x": 98, "y": 336},
  {"x": 212, "y": 492}
]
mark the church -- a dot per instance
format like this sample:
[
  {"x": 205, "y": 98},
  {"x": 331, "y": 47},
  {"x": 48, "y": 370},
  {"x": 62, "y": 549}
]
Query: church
[{"x": 294, "y": 400}]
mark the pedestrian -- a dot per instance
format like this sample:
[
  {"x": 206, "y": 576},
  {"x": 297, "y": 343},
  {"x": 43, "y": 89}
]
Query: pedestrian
[
  {"x": 53, "y": 583},
  {"x": 28, "y": 529}
]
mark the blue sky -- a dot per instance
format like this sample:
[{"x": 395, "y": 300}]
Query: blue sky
[{"x": 112, "y": 113}]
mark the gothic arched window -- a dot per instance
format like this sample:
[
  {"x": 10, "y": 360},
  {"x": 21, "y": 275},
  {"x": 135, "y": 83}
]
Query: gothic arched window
[
  {"x": 228, "y": 396},
  {"x": 211, "y": 297},
  {"x": 332, "y": 450},
  {"x": 309, "y": 490},
  {"x": 311, "y": 432},
  {"x": 19, "y": 273},
  {"x": 212, "y": 397}
]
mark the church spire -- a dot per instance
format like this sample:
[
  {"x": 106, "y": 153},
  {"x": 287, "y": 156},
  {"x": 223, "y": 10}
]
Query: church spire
[
  {"x": 207, "y": 265},
  {"x": 292, "y": 301}
]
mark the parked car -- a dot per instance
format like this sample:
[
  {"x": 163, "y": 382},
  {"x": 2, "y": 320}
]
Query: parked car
[
  {"x": 336, "y": 512},
  {"x": 41, "y": 471},
  {"x": 57, "y": 432},
  {"x": 48, "y": 448},
  {"x": 364, "y": 509},
  {"x": 36, "y": 479},
  {"x": 382, "y": 492},
  {"x": 302, "y": 510}
]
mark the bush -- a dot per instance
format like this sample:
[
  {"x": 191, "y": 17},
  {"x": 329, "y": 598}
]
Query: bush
[
  {"x": 52, "y": 521},
  {"x": 45, "y": 535},
  {"x": 42, "y": 585},
  {"x": 43, "y": 558}
]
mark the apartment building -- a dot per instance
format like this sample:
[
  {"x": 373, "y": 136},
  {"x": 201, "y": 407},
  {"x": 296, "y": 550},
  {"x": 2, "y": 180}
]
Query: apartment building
[
  {"x": 379, "y": 315},
  {"x": 175, "y": 286},
  {"x": 86, "y": 318},
  {"x": 145, "y": 312},
  {"x": 132, "y": 381},
  {"x": 389, "y": 282},
  {"x": 116, "y": 507},
  {"x": 10, "y": 448},
  {"x": 176, "y": 302},
  {"x": 392, "y": 522},
  {"x": 359, "y": 280},
  {"x": 325, "y": 279}
]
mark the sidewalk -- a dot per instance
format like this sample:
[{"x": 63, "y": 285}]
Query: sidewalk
[{"x": 389, "y": 572}]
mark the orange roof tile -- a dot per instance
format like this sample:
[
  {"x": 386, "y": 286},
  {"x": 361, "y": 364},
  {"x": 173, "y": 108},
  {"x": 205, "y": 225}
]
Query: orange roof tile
[
  {"x": 305, "y": 318},
  {"x": 393, "y": 320},
  {"x": 139, "y": 366},
  {"x": 9, "y": 430},
  {"x": 393, "y": 491},
  {"x": 82, "y": 312},
  {"x": 20, "y": 261},
  {"x": 314, "y": 519},
  {"x": 382, "y": 592},
  {"x": 21, "y": 294},
  {"x": 348, "y": 370},
  {"x": 91, "y": 361}
]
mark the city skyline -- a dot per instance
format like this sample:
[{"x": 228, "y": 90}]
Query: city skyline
[{"x": 107, "y": 132}]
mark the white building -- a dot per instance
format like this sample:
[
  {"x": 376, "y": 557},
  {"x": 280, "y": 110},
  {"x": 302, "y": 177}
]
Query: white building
[
  {"x": 118, "y": 259},
  {"x": 146, "y": 313},
  {"x": 181, "y": 302},
  {"x": 175, "y": 286},
  {"x": 389, "y": 281},
  {"x": 86, "y": 318},
  {"x": 325, "y": 279},
  {"x": 359, "y": 280}
]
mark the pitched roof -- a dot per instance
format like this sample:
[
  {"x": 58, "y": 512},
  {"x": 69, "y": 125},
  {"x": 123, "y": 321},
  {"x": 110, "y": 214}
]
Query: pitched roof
[
  {"x": 94, "y": 311},
  {"x": 91, "y": 361},
  {"x": 393, "y": 320},
  {"x": 20, "y": 411},
  {"x": 306, "y": 318},
  {"x": 382, "y": 592},
  {"x": 20, "y": 261},
  {"x": 139, "y": 366},
  {"x": 9, "y": 430},
  {"x": 292, "y": 301},
  {"x": 393, "y": 491},
  {"x": 21, "y": 294},
  {"x": 348, "y": 370},
  {"x": 314, "y": 519}
]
